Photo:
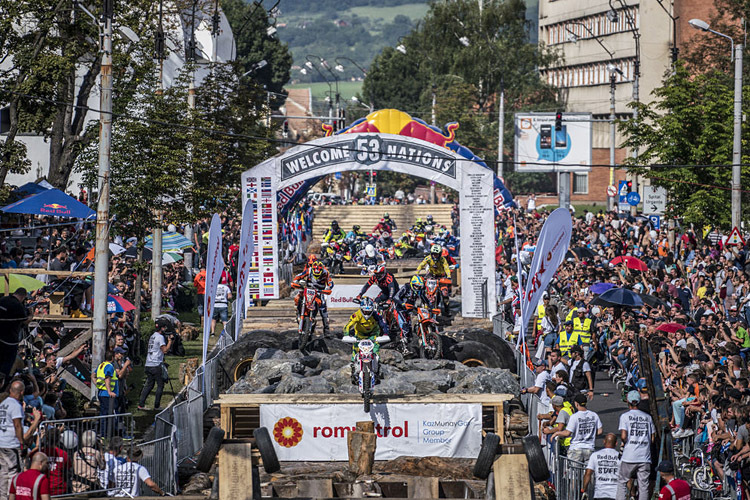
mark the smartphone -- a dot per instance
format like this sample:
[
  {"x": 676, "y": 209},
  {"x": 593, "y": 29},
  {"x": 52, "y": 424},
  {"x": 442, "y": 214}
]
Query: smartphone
[
  {"x": 545, "y": 136},
  {"x": 561, "y": 137}
]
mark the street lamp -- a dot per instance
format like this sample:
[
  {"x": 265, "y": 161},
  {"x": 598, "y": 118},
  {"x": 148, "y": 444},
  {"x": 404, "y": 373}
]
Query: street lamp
[
  {"x": 737, "y": 144},
  {"x": 364, "y": 72},
  {"x": 613, "y": 72},
  {"x": 675, "y": 51},
  {"x": 327, "y": 67},
  {"x": 312, "y": 65}
]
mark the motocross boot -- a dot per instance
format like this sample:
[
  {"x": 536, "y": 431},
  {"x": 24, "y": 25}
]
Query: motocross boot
[
  {"x": 326, "y": 328},
  {"x": 354, "y": 374}
]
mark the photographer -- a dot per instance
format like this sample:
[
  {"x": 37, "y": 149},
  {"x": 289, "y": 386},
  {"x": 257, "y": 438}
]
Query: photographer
[{"x": 157, "y": 348}]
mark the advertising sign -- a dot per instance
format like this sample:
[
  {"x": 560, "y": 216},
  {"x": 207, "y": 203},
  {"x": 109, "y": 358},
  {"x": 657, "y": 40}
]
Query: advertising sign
[
  {"x": 342, "y": 295},
  {"x": 318, "y": 432},
  {"x": 654, "y": 200},
  {"x": 542, "y": 147}
]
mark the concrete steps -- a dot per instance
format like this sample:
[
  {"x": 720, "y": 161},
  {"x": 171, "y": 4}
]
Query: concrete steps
[{"x": 367, "y": 216}]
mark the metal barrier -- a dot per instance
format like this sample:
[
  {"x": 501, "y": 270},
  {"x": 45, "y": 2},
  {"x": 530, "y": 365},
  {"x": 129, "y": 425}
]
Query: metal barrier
[
  {"x": 568, "y": 479},
  {"x": 160, "y": 460}
]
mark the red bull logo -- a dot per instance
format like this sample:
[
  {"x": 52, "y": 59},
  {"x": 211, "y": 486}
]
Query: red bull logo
[
  {"x": 393, "y": 121},
  {"x": 56, "y": 206}
]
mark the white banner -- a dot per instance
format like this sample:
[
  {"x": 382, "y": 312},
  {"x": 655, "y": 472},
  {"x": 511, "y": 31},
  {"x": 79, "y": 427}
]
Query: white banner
[
  {"x": 551, "y": 248},
  {"x": 541, "y": 146},
  {"x": 214, "y": 267},
  {"x": 244, "y": 257},
  {"x": 342, "y": 295},
  {"x": 318, "y": 432}
]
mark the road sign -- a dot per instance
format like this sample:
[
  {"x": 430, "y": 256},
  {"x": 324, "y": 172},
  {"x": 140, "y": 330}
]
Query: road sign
[
  {"x": 371, "y": 190},
  {"x": 633, "y": 198},
  {"x": 735, "y": 238},
  {"x": 611, "y": 191},
  {"x": 655, "y": 221},
  {"x": 654, "y": 200},
  {"x": 623, "y": 191}
]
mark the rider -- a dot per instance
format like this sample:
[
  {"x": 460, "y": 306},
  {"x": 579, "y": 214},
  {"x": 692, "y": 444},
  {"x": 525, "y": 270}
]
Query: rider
[
  {"x": 410, "y": 293},
  {"x": 435, "y": 263},
  {"x": 356, "y": 234},
  {"x": 319, "y": 278},
  {"x": 418, "y": 226},
  {"x": 435, "y": 299},
  {"x": 384, "y": 280},
  {"x": 390, "y": 222},
  {"x": 382, "y": 227},
  {"x": 452, "y": 264},
  {"x": 364, "y": 324},
  {"x": 369, "y": 257},
  {"x": 334, "y": 233}
]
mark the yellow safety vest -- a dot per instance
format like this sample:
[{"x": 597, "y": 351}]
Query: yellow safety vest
[
  {"x": 540, "y": 314},
  {"x": 583, "y": 329},
  {"x": 100, "y": 377},
  {"x": 569, "y": 316},
  {"x": 566, "y": 342}
]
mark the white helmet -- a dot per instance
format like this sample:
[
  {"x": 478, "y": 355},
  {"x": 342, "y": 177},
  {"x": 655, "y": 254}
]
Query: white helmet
[{"x": 370, "y": 251}]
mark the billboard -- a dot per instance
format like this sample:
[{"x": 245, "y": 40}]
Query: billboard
[{"x": 542, "y": 147}]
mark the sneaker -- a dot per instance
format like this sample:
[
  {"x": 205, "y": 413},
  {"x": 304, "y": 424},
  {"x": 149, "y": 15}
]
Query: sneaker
[
  {"x": 687, "y": 432},
  {"x": 677, "y": 433},
  {"x": 142, "y": 407}
]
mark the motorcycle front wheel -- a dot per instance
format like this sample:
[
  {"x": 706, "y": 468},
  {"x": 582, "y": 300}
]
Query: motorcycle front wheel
[
  {"x": 366, "y": 387},
  {"x": 305, "y": 333},
  {"x": 432, "y": 347}
]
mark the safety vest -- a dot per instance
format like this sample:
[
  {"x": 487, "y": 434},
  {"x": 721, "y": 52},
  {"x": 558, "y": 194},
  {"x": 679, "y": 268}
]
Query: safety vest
[
  {"x": 570, "y": 314},
  {"x": 567, "y": 408},
  {"x": 100, "y": 377},
  {"x": 566, "y": 342},
  {"x": 540, "y": 313},
  {"x": 583, "y": 329}
]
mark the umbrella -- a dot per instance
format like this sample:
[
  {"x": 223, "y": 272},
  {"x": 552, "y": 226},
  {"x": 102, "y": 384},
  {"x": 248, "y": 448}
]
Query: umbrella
[
  {"x": 133, "y": 253},
  {"x": 116, "y": 304},
  {"x": 618, "y": 297},
  {"x": 631, "y": 262},
  {"x": 170, "y": 242},
  {"x": 170, "y": 258},
  {"x": 116, "y": 249},
  {"x": 670, "y": 327},
  {"x": 651, "y": 300},
  {"x": 51, "y": 202},
  {"x": 598, "y": 288},
  {"x": 17, "y": 281},
  {"x": 584, "y": 252}
]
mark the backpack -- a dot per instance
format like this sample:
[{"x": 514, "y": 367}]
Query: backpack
[{"x": 579, "y": 379}]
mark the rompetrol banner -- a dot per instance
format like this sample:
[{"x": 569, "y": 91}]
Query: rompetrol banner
[{"x": 318, "y": 432}]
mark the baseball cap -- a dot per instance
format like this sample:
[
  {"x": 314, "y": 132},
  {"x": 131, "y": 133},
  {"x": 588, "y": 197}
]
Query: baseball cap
[
  {"x": 514, "y": 279},
  {"x": 665, "y": 466},
  {"x": 568, "y": 323},
  {"x": 120, "y": 350},
  {"x": 634, "y": 397},
  {"x": 581, "y": 399},
  {"x": 557, "y": 401},
  {"x": 577, "y": 348},
  {"x": 539, "y": 362}
]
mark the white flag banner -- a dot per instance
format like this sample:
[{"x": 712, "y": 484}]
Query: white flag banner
[
  {"x": 317, "y": 432},
  {"x": 551, "y": 247},
  {"x": 244, "y": 261},
  {"x": 214, "y": 268}
]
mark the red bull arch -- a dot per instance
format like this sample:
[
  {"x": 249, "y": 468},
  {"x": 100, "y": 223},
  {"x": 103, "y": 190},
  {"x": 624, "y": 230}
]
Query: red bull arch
[{"x": 386, "y": 140}]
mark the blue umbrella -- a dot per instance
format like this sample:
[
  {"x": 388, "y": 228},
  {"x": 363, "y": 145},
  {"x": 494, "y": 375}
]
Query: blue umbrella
[
  {"x": 598, "y": 288},
  {"x": 618, "y": 297},
  {"x": 170, "y": 242},
  {"x": 51, "y": 202}
]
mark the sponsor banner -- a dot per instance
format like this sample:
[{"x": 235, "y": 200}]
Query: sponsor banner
[
  {"x": 342, "y": 295},
  {"x": 543, "y": 146},
  {"x": 263, "y": 277},
  {"x": 214, "y": 267},
  {"x": 247, "y": 248},
  {"x": 318, "y": 432}
]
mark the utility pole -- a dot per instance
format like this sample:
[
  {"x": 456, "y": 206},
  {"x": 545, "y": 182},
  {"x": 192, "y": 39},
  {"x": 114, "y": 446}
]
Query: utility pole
[
  {"x": 434, "y": 120},
  {"x": 156, "y": 256},
  {"x": 737, "y": 145},
  {"x": 500, "y": 129},
  {"x": 634, "y": 208},
  {"x": 101, "y": 262},
  {"x": 612, "y": 82}
]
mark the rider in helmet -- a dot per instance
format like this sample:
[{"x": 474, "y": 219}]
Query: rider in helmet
[
  {"x": 435, "y": 263},
  {"x": 364, "y": 324},
  {"x": 369, "y": 257},
  {"x": 418, "y": 226},
  {"x": 410, "y": 293},
  {"x": 430, "y": 221},
  {"x": 387, "y": 219},
  {"x": 319, "y": 278},
  {"x": 381, "y": 227},
  {"x": 356, "y": 233},
  {"x": 434, "y": 298},
  {"x": 334, "y": 233},
  {"x": 384, "y": 280}
]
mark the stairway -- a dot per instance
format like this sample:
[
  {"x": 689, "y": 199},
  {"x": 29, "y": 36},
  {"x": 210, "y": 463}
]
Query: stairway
[{"x": 367, "y": 216}]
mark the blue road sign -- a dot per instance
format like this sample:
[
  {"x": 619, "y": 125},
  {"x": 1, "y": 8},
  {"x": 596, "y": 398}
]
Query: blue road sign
[
  {"x": 622, "y": 190},
  {"x": 337, "y": 176},
  {"x": 633, "y": 198},
  {"x": 655, "y": 221}
]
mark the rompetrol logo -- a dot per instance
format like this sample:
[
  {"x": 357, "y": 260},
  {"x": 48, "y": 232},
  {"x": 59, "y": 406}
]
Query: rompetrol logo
[{"x": 287, "y": 432}]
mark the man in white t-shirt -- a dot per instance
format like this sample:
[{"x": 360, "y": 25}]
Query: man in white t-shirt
[
  {"x": 11, "y": 435},
  {"x": 556, "y": 363},
  {"x": 157, "y": 348},
  {"x": 637, "y": 432},
  {"x": 127, "y": 477},
  {"x": 540, "y": 384},
  {"x": 221, "y": 306},
  {"x": 583, "y": 427},
  {"x": 604, "y": 466}
]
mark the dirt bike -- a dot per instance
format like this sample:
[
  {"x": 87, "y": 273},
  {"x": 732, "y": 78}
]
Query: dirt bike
[
  {"x": 334, "y": 259},
  {"x": 366, "y": 363},
  {"x": 309, "y": 311},
  {"x": 430, "y": 344},
  {"x": 387, "y": 311}
]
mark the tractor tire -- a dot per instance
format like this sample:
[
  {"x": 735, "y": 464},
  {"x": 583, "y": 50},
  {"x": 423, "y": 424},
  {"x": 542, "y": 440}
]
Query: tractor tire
[
  {"x": 473, "y": 353},
  {"x": 210, "y": 449},
  {"x": 487, "y": 453},
  {"x": 535, "y": 456},
  {"x": 236, "y": 359},
  {"x": 267, "y": 452}
]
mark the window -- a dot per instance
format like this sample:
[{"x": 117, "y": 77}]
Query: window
[
  {"x": 597, "y": 24},
  {"x": 588, "y": 74},
  {"x": 581, "y": 183}
]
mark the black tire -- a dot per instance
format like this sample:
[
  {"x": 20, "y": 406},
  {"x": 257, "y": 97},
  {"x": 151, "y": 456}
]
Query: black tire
[
  {"x": 487, "y": 453},
  {"x": 535, "y": 456},
  {"x": 475, "y": 354},
  {"x": 305, "y": 334},
  {"x": 267, "y": 451},
  {"x": 210, "y": 448},
  {"x": 366, "y": 389},
  {"x": 502, "y": 350},
  {"x": 435, "y": 344},
  {"x": 236, "y": 359}
]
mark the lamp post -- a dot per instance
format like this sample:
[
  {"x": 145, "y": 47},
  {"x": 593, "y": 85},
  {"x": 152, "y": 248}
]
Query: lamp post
[
  {"x": 311, "y": 65},
  {"x": 340, "y": 68},
  {"x": 325, "y": 65},
  {"x": 737, "y": 142}
]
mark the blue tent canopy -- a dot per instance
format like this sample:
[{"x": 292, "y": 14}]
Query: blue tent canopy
[
  {"x": 51, "y": 202},
  {"x": 29, "y": 188}
]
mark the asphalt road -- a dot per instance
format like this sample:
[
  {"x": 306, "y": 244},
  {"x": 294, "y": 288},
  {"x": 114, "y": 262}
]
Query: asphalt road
[{"x": 609, "y": 407}]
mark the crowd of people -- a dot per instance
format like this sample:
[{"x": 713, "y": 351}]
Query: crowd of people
[{"x": 694, "y": 319}]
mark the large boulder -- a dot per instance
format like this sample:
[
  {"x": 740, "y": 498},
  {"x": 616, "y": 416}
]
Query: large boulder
[{"x": 483, "y": 380}]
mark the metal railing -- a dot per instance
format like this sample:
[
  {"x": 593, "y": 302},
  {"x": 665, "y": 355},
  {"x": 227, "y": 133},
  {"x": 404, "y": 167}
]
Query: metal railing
[
  {"x": 160, "y": 460},
  {"x": 568, "y": 479}
]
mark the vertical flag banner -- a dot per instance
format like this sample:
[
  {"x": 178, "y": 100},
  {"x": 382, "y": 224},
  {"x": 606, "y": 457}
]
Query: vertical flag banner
[
  {"x": 551, "y": 247},
  {"x": 214, "y": 267},
  {"x": 247, "y": 247}
]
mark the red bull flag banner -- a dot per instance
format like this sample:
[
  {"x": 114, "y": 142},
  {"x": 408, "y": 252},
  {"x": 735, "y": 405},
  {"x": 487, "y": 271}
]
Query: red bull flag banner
[
  {"x": 390, "y": 140},
  {"x": 551, "y": 247},
  {"x": 214, "y": 267},
  {"x": 247, "y": 245}
]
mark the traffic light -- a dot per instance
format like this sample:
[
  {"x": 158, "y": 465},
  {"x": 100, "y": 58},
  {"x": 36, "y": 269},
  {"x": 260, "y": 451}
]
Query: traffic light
[
  {"x": 630, "y": 186},
  {"x": 286, "y": 129},
  {"x": 558, "y": 121}
]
